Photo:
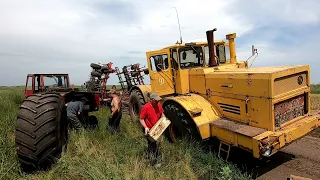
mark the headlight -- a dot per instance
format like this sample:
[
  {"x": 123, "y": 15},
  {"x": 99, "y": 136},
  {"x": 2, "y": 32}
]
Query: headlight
[{"x": 267, "y": 153}]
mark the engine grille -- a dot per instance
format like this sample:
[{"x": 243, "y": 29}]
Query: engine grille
[
  {"x": 291, "y": 82},
  {"x": 230, "y": 108},
  {"x": 289, "y": 109}
]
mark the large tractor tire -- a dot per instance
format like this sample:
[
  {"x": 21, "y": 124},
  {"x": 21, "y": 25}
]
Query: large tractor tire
[
  {"x": 96, "y": 74},
  {"x": 182, "y": 125},
  {"x": 135, "y": 104},
  {"x": 95, "y": 66},
  {"x": 92, "y": 86},
  {"x": 41, "y": 131}
]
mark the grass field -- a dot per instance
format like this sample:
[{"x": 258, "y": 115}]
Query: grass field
[
  {"x": 315, "y": 88},
  {"x": 98, "y": 154}
]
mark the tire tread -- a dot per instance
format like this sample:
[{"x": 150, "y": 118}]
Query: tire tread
[
  {"x": 135, "y": 94},
  {"x": 37, "y": 136},
  {"x": 181, "y": 120}
]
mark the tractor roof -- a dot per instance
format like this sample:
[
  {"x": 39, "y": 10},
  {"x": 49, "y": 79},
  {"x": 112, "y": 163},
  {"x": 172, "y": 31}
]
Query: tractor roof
[
  {"x": 177, "y": 45},
  {"x": 48, "y": 74}
]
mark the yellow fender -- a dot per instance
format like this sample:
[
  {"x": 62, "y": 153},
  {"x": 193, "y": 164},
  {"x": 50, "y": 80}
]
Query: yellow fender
[{"x": 199, "y": 109}]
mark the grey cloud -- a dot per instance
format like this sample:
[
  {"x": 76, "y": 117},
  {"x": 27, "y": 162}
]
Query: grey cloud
[
  {"x": 281, "y": 35},
  {"x": 6, "y": 54},
  {"x": 106, "y": 12},
  {"x": 119, "y": 10},
  {"x": 262, "y": 13},
  {"x": 66, "y": 36},
  {"x": 135, "y": 52}
]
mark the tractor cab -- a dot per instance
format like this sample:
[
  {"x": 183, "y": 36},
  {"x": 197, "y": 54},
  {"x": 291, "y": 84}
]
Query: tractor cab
[
  {"x": 170, "y": 67},
  {"x": 37, "y": 83}
]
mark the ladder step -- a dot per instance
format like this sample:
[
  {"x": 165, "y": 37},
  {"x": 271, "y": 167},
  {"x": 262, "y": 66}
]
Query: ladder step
[{"x": 224, "y": 150}]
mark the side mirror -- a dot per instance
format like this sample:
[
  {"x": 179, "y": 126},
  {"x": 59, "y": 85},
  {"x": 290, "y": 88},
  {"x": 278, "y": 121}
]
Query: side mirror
[
  {"x": 254, "y": 50},
  {"x": 184, "y": 55}
]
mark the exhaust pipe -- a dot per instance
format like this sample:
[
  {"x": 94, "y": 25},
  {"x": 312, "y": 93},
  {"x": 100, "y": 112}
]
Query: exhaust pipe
[
  {"x": 232, "y": 47},
  {"x": 210, "y": 39}
]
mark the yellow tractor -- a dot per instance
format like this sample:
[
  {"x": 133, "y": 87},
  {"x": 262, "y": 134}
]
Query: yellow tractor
[{"x": 208, "y": 94}]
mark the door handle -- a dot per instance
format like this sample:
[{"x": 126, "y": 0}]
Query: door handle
[{"x": 226, "y": 85}]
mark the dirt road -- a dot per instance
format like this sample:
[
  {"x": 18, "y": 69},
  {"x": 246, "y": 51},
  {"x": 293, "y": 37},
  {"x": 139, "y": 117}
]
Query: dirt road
[{"x": 301, "y": 158}]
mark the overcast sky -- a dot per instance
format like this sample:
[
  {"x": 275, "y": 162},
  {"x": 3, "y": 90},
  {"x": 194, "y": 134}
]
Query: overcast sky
[{"x": 65, "y": 36}]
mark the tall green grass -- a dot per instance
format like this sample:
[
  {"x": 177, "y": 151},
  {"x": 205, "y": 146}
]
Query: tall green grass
[
  {"x": 10, "y": 98},
  {"x": 99, "y": 154},
  {"x": 315, "y": 88}
]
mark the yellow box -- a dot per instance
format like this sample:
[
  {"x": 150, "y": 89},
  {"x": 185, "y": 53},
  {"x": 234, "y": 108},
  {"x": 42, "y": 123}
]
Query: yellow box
[{"x": 158, "y": 129}]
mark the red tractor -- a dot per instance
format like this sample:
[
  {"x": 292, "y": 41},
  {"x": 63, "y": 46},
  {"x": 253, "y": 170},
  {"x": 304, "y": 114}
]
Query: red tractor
[{"x": 42, "y": 127}]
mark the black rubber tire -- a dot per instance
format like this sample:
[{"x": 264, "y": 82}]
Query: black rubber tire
[
  {"x": 95, "y": 66},
  {"x": 136, "y": 102},
  {"x": 135, "y": 74},
  {"x": 96, "y": 74},
  {"x": 92, "y": 86},
  {"x": 106, "y": 71},
  {"x": 41, "y": 131},
  {"x": 182, "y": 125},
  {"x": 124, "y": 69}
]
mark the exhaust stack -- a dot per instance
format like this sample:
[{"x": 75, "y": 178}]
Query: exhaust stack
[
  {"x": 232, "y": 46},
  {"x": 210, "y": 39}
]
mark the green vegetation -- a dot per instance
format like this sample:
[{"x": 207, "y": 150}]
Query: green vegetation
[
  {"x": 315, "y": 88},
  {"x": 10, "y": 100},
  {"x": 98, "y": 154}
]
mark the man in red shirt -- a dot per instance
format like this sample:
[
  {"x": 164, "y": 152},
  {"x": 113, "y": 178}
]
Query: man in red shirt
[{"x": 151, "y": 112}]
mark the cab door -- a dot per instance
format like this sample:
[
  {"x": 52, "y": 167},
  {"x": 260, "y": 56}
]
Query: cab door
[
  {"x": 29, "y": 86},
  {"x": 160, "y": 70}
]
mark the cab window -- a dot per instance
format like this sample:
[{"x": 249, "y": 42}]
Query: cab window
[
  {"x": 54, "y": 81},
  {"x": 175, "y": 62},
  {"x": 191, "y": 56},
  {"x": 206, "y": 54},
  {"x": 29, "y": 83},
  {"x": 227, "y": 52},
  {"x": 65, "y": 81},
  {"x": 37, "y": 83},
  {"x": 221, "y": 52},
  {"x": 159, "y": 62}
]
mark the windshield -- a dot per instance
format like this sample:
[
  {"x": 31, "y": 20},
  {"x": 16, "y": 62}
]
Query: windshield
[
  {"x": 221, "y": 52},
  {"x": 55, "y": 81},
  {"x": 191, "y": 56}
]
